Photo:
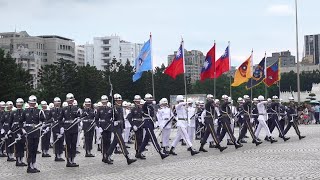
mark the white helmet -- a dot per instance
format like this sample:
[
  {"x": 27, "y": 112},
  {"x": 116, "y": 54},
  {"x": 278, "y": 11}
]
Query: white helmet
[
  {"x": 209, "y": 96},
  {"x": 240, "y": 99},
  {"x": 225, "y": 97},
  {"x": 32, "y": 99},
  {"x": 87, "y": 101},
  {"x": 148, "y": 97},
  {"x": 64, "y": 104},
  {"x": 275, "y": 98},
  {"x": 56, "y": 99},
  {"x": 190, "y": 101},
  {"x": 44, "y": 103},
  {"x": 137, "y": 98},
  {"x": 124, "y": 103},
  {"x": 51, "y": 105},
  {"x": 201, "y": 103},
  {"x": 230, "y": 99},
  {"x": 99, "y": 104},
  {"x": 95, "y": 105},
  {"x": 75, "y": 103},
  {"x": 104, "y": 98},
  {"x": 216, "y": 101},
  {"x": 2, "y": 104},
  {"x": 142, "y": 102},
  {"x": 163, "y": 101},
  {"x": 246, "y": 97},
  {"x": 179, "y": 98},
  {"x": 117, "y": 97},
  {"x": 19, "y": 101},
  {"x": 69, "y": 96},
  {"x": 255, "y": 99},
  {"x": 269, "y": 99},
  {"x": 26, "y": 105},
  {"x": 260, "y": 98},
  {"x": 132, "y": 105},
  {"x": 291, "y": 99},
  {"x": 9, "y": 103},
  {"x": 108, "y": 104}
]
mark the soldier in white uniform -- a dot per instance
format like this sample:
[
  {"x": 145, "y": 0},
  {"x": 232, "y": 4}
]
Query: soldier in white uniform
[
  {"x": 263, "y": 116},
  {"x": 127, "y": 125},
  {"x": 191, "y": 120},
  {"x": 182, "y": 124},
  {"x": 164, "y": 116}
]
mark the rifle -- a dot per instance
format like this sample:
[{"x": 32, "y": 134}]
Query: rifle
[{"x": 91, "y": 126}]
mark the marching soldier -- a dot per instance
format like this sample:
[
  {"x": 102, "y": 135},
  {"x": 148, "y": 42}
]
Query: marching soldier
[
  {"x": 116, "y": 123},
  {"x": 8, "y": 136},
  {"x": 127, "y": 125},
  {"x": 88, "y": 126},
  {"x": 58, "y": 139},
  {"x": 135, "y": 119},
  {"x": 46, "y": 133},
  {"x": 164, "y": 116},
  {"x": 292, "y": 117},
  {"x": 275, "y": 114},
  {"x": 31, "y": 123},
  {"x": 148, "y": 125},
  {"x": 2, "y": 131},
  {"x": 262, "y": 118},
  {"x": 182, "y": 123},
  {"x": 70, "y": 122},
  {"x": 16, "y": 117},
  {"x": 246, "y": 107},
  {"x": 225, "y": 112},
  {"x": 191, "y": 120},
  {"x": 210, "y": 115}
]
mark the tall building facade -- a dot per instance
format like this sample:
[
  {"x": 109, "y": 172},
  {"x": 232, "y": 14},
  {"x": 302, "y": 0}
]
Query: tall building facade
[
  {"x": 312, "y": 48},
  {"x": 80, "y": 55},
  {"x": 113, "y": 47},
  {"x": 287, "y": 60},
  {"x": 89, "y": 54},
  {"x": 194, "y": 60},
  {"x": 32, "y": 52}
]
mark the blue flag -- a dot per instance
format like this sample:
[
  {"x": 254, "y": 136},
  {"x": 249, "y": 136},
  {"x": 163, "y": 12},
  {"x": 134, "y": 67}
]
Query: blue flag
[
  {"x": 258, "y": 75},
  {"x": 143, "y": 61}
]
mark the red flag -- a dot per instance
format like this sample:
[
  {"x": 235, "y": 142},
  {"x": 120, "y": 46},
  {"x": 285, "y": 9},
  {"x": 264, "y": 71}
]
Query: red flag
[
  {"x": 177, "y": 65},
  {"x": 272, "y": 74},
  {"x": 222, "y": 64},
  {"x": 207, "y": 71}
]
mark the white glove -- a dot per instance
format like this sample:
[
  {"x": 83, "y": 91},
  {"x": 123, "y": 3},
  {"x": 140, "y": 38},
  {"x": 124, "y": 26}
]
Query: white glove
[
  {"x": 216, "y": 121},
  {"x": 24, "y": 131},
  {"x": 43, "y": 125},
  {"x": 100, "y": 130},
  {"x": 242, "y": 116},
  {"x": 59, "y": 136},
  {"x": 6, "y": 136},
  {"x": 135, "y": 128},
  {"x": 251, "y": 120},
  {"x": 48, "y": 129},
  {"x": 9, "y": 132},
  {"x": 156, "y": 124},
  {"x": 115, "y": 123},
  {"x": 19, "y": 136},
  {"x": 2, "y": 131},
  {"x": 61, "y": 130}
]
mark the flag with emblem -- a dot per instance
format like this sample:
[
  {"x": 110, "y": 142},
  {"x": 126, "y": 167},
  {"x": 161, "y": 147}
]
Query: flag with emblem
[
  {"x": 258, "y": 75},
  {"x": 143, "y": 61},
  {"x": 223, "y": 63},
  {"x": 243, "y": 73},
  {"x": 273, "y": 73},
  {"x": 177, "y": 65},
  {"x": 207, "y": 71}
]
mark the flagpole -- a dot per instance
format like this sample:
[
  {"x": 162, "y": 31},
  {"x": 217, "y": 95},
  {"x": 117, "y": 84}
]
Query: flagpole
[
  {"x": 230, "y": 69},
  {"x": 184, "y": 69},
  {"x": 297, "y": 46},
  {"x": 279, "y": 76},
  {"x": 265, "y": 72},
  {"x": 251, "y": 73},
  {"x": 152, "y": 71},
  {"x": 214, "y": 79}
]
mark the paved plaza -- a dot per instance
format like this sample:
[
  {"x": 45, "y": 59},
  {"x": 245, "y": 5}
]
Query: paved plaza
[{"x": 294, "y": 159}]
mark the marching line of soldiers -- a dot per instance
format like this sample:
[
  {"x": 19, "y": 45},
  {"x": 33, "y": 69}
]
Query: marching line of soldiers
[{"x": 113, "y": 124}]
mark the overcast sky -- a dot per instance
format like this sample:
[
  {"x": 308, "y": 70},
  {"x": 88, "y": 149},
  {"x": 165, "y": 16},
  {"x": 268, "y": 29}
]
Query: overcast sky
[{"x": 264, "y": 25}]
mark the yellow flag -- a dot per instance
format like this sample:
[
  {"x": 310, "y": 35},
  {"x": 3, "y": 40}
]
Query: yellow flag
[{"x": 243, "y": 73}]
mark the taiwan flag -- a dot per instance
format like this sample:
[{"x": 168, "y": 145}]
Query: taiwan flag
[
  {"x": 272, "y": 74},
  {"x": 177, "y": 65},
  {"x": 207, "y": 71},
  {"x": 222, "y": 64}
]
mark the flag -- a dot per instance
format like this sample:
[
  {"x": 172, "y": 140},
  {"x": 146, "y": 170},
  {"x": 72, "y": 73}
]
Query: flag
[
  {"x": 273, "y": 74},
  {"x": 243, "y": 73},
  {"x": 222, "y": 64},
  {"x": 143, "y": 61},
  {"x": 258, "y": 75},
  {"x": 207, "y": 71},
  {"x": 177, "y": 65}
]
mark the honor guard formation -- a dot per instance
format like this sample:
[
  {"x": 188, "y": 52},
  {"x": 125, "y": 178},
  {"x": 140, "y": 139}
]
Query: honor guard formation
[{"x": 112, "y": 124}]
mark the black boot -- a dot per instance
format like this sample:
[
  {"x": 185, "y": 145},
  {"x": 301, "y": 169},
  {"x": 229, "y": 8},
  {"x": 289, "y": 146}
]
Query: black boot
[
  {"x": 30, "y": 170},
  {"x": 256, "y": 142},
  {"x": 272, "y": 140},
  {"x": 130, "y": 161},
  {"x": 193, "y": 152},
  {"x": 229, "y": 142},
  {"x": 140, "y": 156},
  {"x": 172, "y": 152},
  {"x": 163, "y": 155},
  {"x": 108, "y": 160},
  {"x": 221, "y": 148},
  {"x": 285, "y": 138},
  {"x": 267, "y": 138},
  {"x": 211, "y": 145},
  {"x": 238, "y": 145},
  {"x": 69, "y": 164},
  {"x": 301, "y": 137},
  {"x": 202, "y": 149}
]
